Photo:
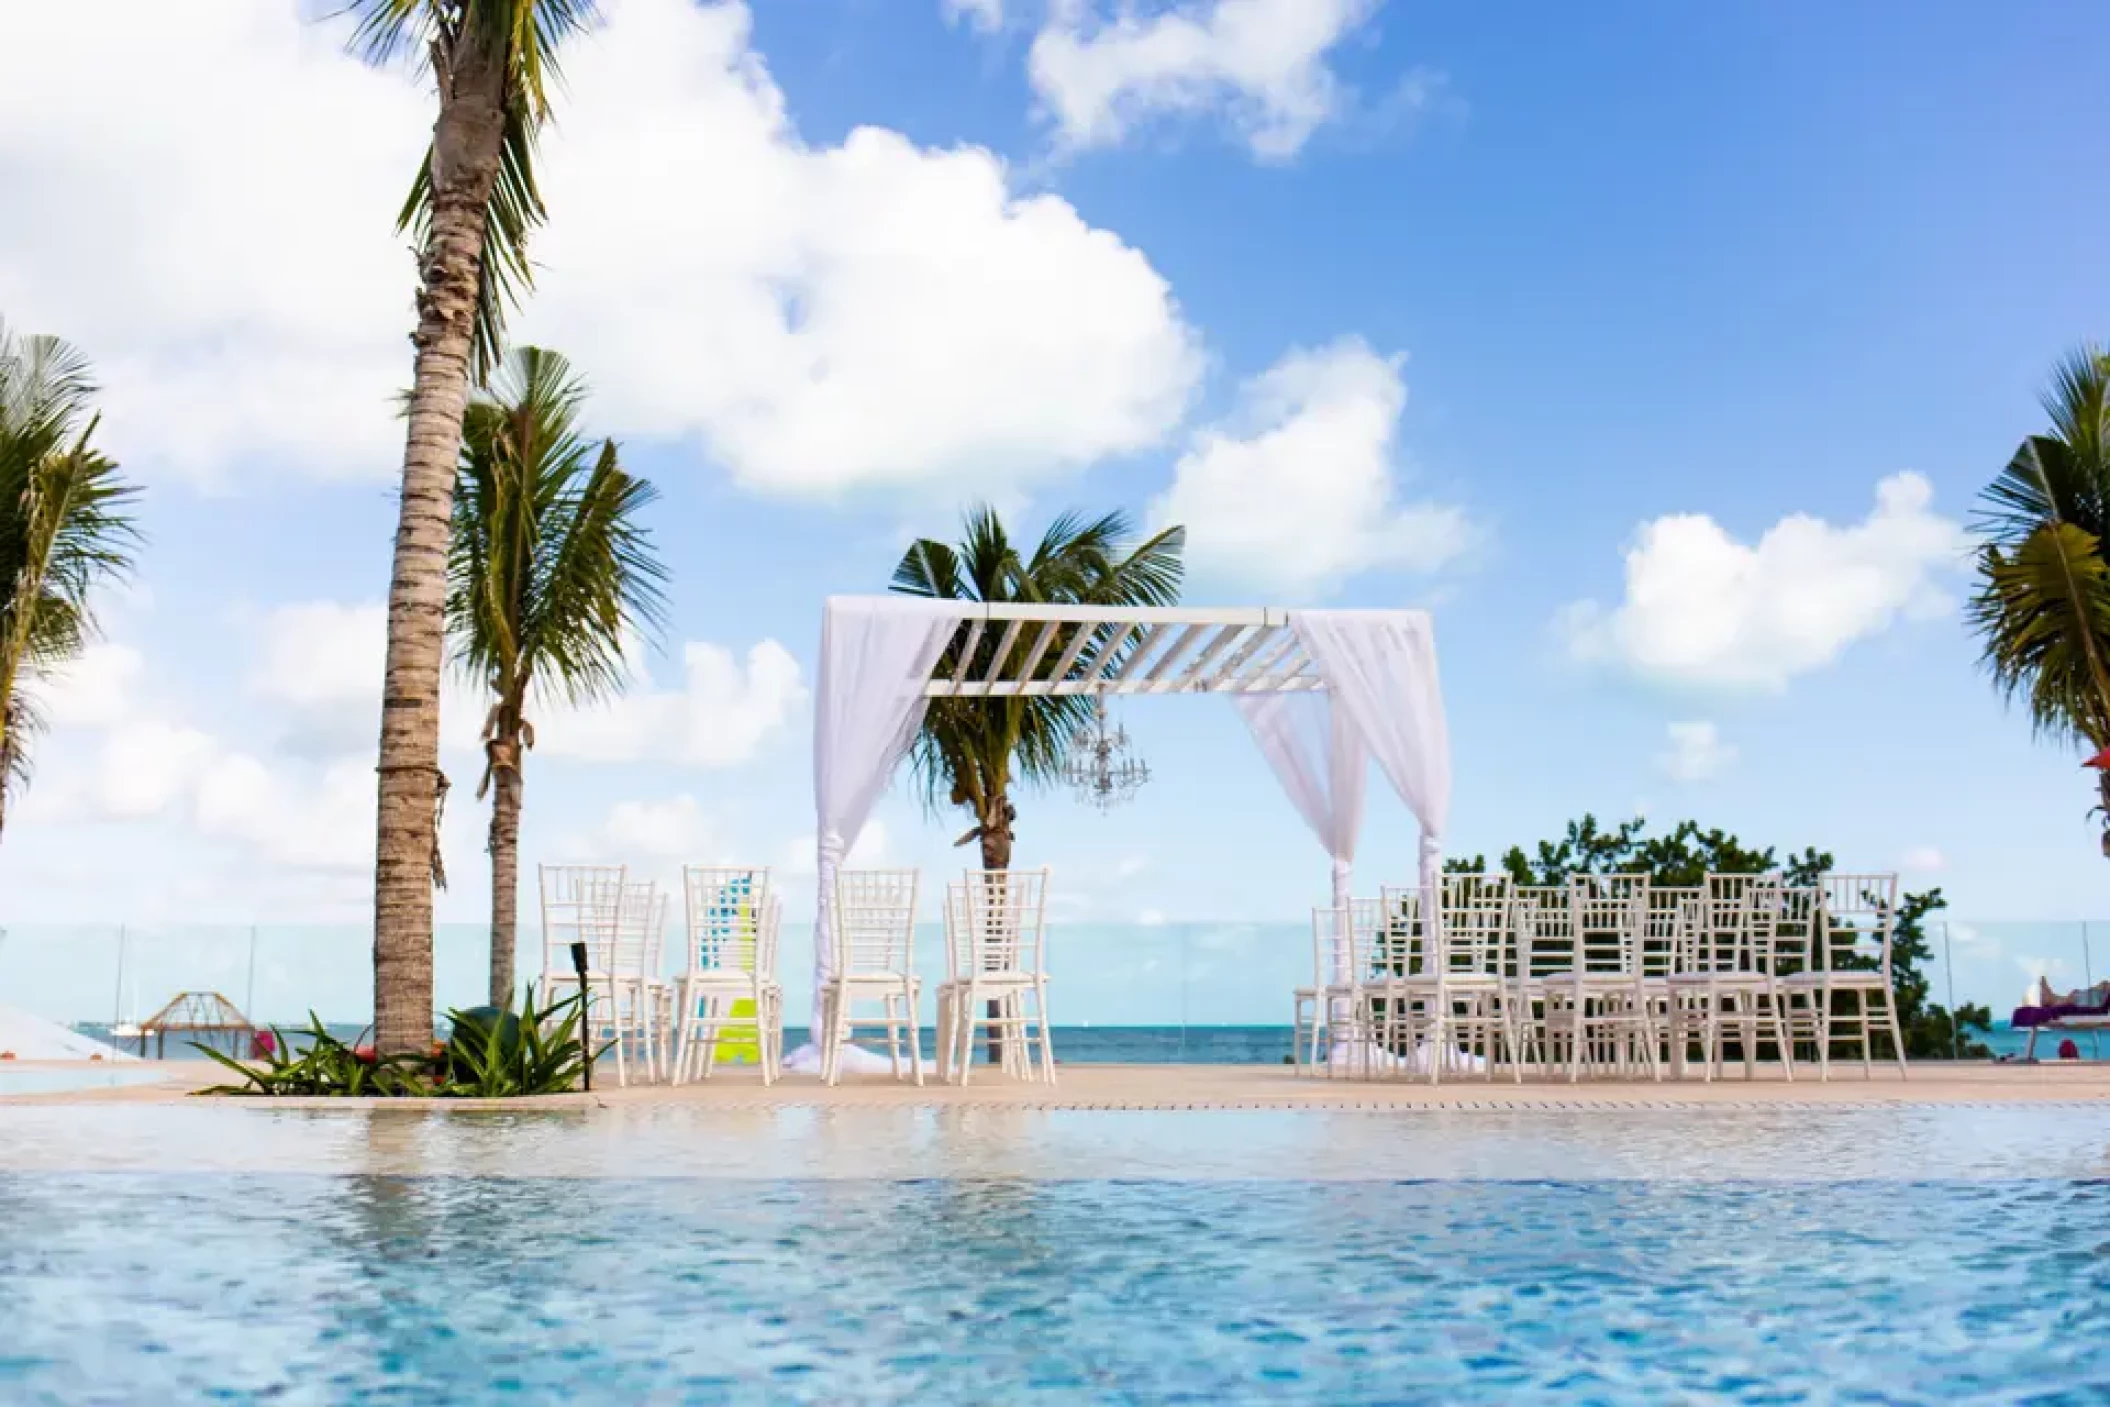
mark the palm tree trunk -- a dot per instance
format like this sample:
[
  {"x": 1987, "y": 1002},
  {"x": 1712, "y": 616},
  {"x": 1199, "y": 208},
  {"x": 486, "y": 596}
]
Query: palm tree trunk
[
  {"x": 506, "y": 787},
  {"x": 996, "y": 855},
  {"x": 467, "y": 141}
]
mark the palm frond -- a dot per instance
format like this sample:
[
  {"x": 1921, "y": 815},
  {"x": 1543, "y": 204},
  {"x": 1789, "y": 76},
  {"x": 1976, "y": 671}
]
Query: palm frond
[
  {"x": 65, "y": 527},
  {"x": 2037, "y": 610},
  {"x": 551, "y": 572},
  {"x": 526, "y": 35},
  {"x": 970, "y": 749}
]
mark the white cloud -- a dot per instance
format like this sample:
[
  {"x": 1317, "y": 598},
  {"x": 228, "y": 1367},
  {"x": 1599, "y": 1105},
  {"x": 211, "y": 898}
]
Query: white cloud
[
  {"x": 322, "y": 654},
  {"x": 1704, "y": 608},
  {"x": 987, "y": 16},
  {"x": 1262, "y": 64},
  {"x": 1923, "y": 859},
  {"x": 1696, "y": 753},
  {"x": 721, "y": 715},
  {"x": 259, "y": 156},
  {"x": 1298, "y": 490},
  {"x": 677, "y": 829},
  {"x": 94, "y": 690},
  {"x": 822, "y": 318},
  {"x": 146, "y": 766},
  {"x": 874, "y": 850}
]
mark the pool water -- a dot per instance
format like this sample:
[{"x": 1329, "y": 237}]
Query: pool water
[{"x": 1979, "y": 1271}]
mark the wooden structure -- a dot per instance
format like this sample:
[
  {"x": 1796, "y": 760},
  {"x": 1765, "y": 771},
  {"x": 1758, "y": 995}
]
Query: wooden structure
[{"x": 200, "y": 1017}]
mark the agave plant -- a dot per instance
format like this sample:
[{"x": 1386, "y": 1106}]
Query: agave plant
[{"x": 493, "y": 1054}]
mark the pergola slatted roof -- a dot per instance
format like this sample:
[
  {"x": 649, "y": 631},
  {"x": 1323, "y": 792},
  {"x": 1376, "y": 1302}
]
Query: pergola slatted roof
[{"x": 1113, "y": 650}]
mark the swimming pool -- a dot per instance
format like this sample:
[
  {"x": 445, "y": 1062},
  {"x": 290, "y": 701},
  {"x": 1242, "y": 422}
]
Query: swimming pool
[{"x": 946, "y": 1256}]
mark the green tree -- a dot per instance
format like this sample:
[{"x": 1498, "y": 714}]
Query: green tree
[
  {"x": 1687, "y": 853},
  {"x": 550, "y": 573},
  {"x": 972, "y": 753},
  {"x": 65, "y": 529},
  {"x": 2042, "y": 605},
  {"x": 471, "y": 208}
]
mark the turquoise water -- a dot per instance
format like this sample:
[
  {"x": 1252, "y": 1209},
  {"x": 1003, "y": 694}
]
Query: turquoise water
[
  {"x": 1899, "y": 1256},
  {"x": 1235, "y": 1045}
]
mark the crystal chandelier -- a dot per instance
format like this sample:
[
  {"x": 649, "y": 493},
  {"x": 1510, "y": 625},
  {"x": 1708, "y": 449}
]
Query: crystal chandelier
[{"x": 1100, "y": 768}]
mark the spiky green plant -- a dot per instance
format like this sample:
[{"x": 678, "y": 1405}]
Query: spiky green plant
[
  {"x": 65, "y": 529},
  {"x": 2042, "y": 605},
  {"x": 472, "y": 207},
  {"x": 550, "y": 574}
]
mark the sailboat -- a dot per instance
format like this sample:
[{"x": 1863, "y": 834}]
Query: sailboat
[{"x": 125, "y": 1026}]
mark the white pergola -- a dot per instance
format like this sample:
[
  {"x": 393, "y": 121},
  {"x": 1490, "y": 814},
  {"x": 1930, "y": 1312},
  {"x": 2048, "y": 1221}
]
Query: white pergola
[{"x": 1324, "y": 692}]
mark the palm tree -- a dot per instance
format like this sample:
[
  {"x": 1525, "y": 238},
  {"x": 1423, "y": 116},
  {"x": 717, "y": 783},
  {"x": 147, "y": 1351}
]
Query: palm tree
[
  {"x": 971, "y": 752},
  {"x": 2042, "y": 607},
  {"x": 471, "y": 208},
  {"x": 548, "y": 576},
  {"x": 65, "y": 528}
]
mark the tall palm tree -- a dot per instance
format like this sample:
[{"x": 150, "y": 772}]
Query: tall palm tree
[
  {"x": 2042, "y": 607},
  {"x": 65, "y": 528},
  {"x": 549, "y": 574},
  {"x": 971, "y": 753},
  {"x": 471, "y": 208}
]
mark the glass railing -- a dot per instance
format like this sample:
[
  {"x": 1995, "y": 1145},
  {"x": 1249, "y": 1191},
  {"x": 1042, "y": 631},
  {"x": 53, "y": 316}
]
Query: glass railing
[{"x": 1168, "y": 991}]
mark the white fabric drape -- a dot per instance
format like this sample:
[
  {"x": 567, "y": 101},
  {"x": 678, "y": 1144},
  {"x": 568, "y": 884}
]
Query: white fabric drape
[
  {"x": 1380, "y": 668},
  {"x": 877, "y": 653},
  {"x": 1319, "y": 757}
]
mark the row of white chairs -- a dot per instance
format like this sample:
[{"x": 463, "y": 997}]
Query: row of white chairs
[
  {"x": 727, "y": 999},
  {"x": 1608, "y": 974}
]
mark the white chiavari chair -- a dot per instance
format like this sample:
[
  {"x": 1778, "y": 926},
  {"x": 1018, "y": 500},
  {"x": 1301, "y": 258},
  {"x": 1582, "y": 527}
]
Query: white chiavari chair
[
  {"x": 1727, "y": 982},
  {"x": 732, "y": 920},
  {"x": 874, "y": 929},
  {"x": 1852, "y": 984},
  {"x": 1597, "y": 1006},
  {"x": 998, "y": 958}
]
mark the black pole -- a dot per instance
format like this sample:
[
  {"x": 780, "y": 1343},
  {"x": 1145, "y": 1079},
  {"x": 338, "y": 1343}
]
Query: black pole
[{"x": 578, "y": 965}]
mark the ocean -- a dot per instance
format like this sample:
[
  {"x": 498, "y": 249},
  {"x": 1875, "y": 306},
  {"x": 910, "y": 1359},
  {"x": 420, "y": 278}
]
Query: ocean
[{"x": 1193, "y": 1045}]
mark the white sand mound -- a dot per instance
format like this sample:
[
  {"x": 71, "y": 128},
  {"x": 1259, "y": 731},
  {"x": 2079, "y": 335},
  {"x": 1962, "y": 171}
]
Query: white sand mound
[{"x": 34, "y": 1038}]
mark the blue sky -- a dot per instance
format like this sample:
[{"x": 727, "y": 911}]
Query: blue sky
[{"x": 1493, "y": 311}]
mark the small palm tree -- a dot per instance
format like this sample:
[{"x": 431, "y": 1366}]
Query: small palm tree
[
  {"x": 971, "y": 753},
  {"x": 2042, "y": 607},
  {"x": 65, "y": 529},
  {"x": 549, "y": 574},
  {"x": 471, "y": 208}
]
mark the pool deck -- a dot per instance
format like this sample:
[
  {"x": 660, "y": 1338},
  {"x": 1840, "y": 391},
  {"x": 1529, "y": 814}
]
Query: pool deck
[{"x": 1176, "y": 1087}]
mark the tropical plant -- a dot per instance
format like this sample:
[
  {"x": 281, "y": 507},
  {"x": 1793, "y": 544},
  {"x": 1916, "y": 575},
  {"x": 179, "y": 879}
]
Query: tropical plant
[
  {"x": 1683, "y": 857},
  {"x": 971, "y": 752},
  {"x": 549, "y": 574},
  {"x": 471, "y": 208},
  {"x": 65, "y": 529},
  {"x": 492, "y": 1054},
  {"x": 2042, "y": 607}
]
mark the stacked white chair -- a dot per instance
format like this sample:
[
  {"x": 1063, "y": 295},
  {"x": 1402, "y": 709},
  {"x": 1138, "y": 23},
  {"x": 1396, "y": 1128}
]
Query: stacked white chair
[
  {"x": 732, "y": 926},
  {"x": 1597, "y": 1004},
  {"x": 874, "y": 926},
  {"x": 580, "y": 904},
  {"x": 583, "y": 904},
  {"x": 1726, "y": 981},
  {"x": 634, "y": 982},
  {"x": 997, "y": 978},
  {"x": 1851, "y": 984},
  {"x": 1478, "y": 992}
]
